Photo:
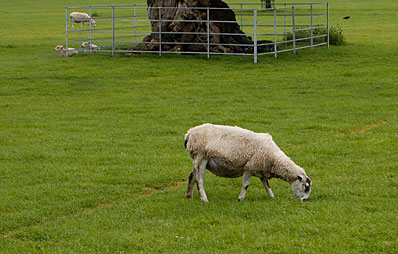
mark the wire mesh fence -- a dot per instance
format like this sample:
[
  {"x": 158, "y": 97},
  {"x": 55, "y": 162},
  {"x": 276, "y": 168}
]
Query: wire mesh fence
[{"x": 269, "y": 31}]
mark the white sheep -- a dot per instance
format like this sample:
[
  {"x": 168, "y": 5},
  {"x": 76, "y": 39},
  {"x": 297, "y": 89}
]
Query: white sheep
[
  {"x": 87, "y": 46},
  {"x": 81, "y": 17},
  {"x": 62, "y": 51},
  {"x": 233, "y": 152}
]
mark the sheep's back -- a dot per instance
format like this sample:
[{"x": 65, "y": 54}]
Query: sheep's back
[
  {"x": 79, "y": 15},
  {"x": 233, "y": 146}
]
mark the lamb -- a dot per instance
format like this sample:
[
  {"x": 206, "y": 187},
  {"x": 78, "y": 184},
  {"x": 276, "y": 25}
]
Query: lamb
[
  {"x": 87, "y": 46},
  {"x": 77, "y": 17},
  {"x": 62, "y": 51},
  {"x": 232, "y": 152}
]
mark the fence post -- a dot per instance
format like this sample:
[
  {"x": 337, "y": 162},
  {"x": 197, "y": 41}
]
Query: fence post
[
  {"x": 113, "y": 30},
  {"x": 160, "y": 31},
  {"x": 255, "y": 35},
  {"x": 294, "y": 31},
  {"x": 91, "y": 33},
  {"x": 208, "y": 33},
  {"x": 67, "y": 24},
  {"x": 327, "y": 4},
  {"x": 275, "y": 35},
  {"x": 312, "y": 30},
  {"x": 241, "y": 15},
  {"x": 284, "y": 35},
  {"x": 135, "y": 26}
]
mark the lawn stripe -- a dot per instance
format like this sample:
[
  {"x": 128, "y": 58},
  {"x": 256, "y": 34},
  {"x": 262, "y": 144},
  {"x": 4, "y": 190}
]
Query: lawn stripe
[
  {"x": 361, "y": 130},
  {"x": 148, "y": 191}
]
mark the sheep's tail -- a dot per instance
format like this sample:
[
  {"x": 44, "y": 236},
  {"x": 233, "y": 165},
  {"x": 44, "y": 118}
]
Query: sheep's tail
[{"x": 186, "y": 138}]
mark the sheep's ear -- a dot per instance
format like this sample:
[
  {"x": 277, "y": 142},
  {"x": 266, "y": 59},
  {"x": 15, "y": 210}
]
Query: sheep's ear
[{"x": 300, "y": 178}]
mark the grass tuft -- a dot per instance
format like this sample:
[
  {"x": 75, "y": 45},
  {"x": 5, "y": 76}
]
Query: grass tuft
[{"x": 336, "y": 36}]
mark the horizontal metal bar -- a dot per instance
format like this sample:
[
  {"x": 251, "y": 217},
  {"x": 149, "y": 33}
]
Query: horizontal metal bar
[
  {"x": 200, "y": 53},
  {"x": 105, "y": 29},
  {"x": 174, "y": 52},
  {"x": 288, "y": 6},
  {"x": 291, "y": 31},
  {"x": 98, "y": 40},
  {"x": 144, "y": 6},
  {"x": 180, "y": 43},
  {"x": 303, "y": 47},
  {"x": 315, "y": 45},
  {"x": 109, "y": 19},
  {"x": 198, "y": 43},
  {"x": 172, "y": 33},
  {"x": 266, "y": 53},
  {"x": 108, "y": 6},
  {"x": 191, "y": 21},
  {"x": 102, "y": 42}
]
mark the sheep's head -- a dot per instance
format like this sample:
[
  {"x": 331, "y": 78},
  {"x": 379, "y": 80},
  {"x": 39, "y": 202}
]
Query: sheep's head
[
  {"x": 86, "y": 45},
  {"x": 93, "y": 23},
  {"x": 59, "y": 47},
  {"x": 302, "y": 187}
]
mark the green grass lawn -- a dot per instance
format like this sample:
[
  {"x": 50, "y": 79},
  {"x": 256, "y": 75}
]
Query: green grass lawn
[{"x": 92, "y": 156}]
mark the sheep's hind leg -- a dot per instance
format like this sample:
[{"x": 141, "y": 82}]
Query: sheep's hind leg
[
  {"x": 245, "y": 184},
  {"x": 266, "y": 185},
  {"x": 200, "y": 168},
  {"x": 191, "y": 184}
]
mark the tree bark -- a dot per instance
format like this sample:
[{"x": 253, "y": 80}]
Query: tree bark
[
  {"x": 185, "y": 29},
  {"x": 268, "y": 4}
]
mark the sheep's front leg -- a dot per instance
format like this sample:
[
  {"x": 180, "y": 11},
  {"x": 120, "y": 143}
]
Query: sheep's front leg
[
  {"x": 245, "y": 184},
  {"x": 200, "y": 168},
  {"x": 266, "y": 185},
  {"x": 191, "y": 184}
]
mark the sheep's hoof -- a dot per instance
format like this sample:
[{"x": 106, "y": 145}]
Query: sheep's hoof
[{"x": 188, "y": 196}]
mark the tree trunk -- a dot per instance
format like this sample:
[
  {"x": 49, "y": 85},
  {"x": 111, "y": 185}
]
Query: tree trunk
[
  {"x": 180, "y": 35},
  {"x": 268, "y": 4}
]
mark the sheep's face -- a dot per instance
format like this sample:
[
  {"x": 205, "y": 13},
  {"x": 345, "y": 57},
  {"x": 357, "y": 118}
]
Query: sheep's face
[
  {"x": 59, "y": 47},
  {"x": 86, "y": 45},
  {"x": 302, "y": 187},
  {"x": 93, "y": 23}
]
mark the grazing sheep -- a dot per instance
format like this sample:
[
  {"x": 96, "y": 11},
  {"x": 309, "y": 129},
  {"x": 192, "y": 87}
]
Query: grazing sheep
[
  {"x": 87, "y": 46},
  {"x": 77, "y": 17},
  {"x": 233, "y": 152},
  {"x": 62, "y": 51}
]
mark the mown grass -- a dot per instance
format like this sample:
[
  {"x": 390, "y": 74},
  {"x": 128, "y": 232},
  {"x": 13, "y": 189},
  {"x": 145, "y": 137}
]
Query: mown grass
[{"x": 92, "y": 157}]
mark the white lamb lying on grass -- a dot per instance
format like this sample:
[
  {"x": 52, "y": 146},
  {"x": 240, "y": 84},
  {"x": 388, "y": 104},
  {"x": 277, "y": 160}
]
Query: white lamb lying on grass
[
  {"x": 233, "y": 152},
  {"x": 81, "y": 17},
  {"x": 62, "y": 51},
  {"x": 87, "y": 46}
]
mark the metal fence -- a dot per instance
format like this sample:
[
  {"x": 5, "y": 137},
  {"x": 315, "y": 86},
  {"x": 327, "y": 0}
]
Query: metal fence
[{"x": 122, "y": 28}]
